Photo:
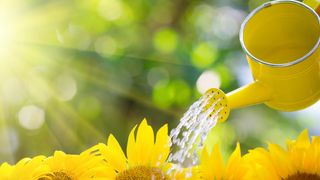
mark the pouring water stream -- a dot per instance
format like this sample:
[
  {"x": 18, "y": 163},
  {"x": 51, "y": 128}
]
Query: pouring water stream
[{"x": 188, "y": 137}]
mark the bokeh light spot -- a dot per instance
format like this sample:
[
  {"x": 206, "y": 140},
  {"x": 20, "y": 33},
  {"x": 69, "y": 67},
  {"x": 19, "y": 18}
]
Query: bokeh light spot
[
  {"x": 111, "y": 9},
  {"x": 163, "y": 94},
  {"x": 204, "y": 55},
  {"x": 165, "y": 40},
  {"x": 167, "y": 93},
  {"x": 9, "y": 141},
  {"x": 207, "y": 80},
  {"x": 75, "y": 36},
  {"x": 106, "y": 46},
  {"x": 31, "y": 117},
  {"x": 156, "y": 74},
  {"x": 182, "y": 92},
  {"x": 226, "y": 25},
  {"x": 89, "y": 107},
  {"x": 226, "y": 77},
  {"x": 66, "y": 87}
]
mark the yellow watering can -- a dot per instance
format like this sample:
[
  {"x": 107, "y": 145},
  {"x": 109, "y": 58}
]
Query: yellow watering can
[{"x": 281, "y": 41}]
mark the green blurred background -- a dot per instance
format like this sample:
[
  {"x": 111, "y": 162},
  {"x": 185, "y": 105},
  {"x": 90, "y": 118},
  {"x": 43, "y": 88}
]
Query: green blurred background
[{"x": 73, "y": 71}]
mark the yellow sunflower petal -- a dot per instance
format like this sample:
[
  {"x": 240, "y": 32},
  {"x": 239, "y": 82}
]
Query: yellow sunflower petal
[
  {"x": 233, "y": 165},
  {"x": 29, "y": 169},
  {"x": 260, "y": 165},
  {"x": 280, "y": 160},
  {"x": 234, "y": 158},
  {"x": 94, "y": 150},
  {"x": 101, "y": 172},
  {"x": 204, "y": 158},
  {"x": 300, "y": 161},
  {"x": 205, "y": 168},
  {"x": 161, "y": 148},
  {"x": 303, "y": 140},
  {"x": 310, "y": 157},
  {"x": 23, "y": 161},
  {"x": 5, "y": 171},
  {"x": 218, "y": 166},
  {"x": 131, "y": 148},
  {"x": 263, "y": 174},
  {"x": 115, "y": 151},
  {"x": 76, "y": 166},
  {"x": 57, "y": 161},
  {"x": 180, "y": 174},
  {"x": 316, "y": 146},
  {"x": 38, "y": 167},
  {"x": 297, "y": 149},
  {"x": 144, "y": 143}
]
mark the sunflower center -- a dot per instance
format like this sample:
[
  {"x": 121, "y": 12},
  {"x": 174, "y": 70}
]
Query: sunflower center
[
  {"x": 61, "y": 176},
  {"x": 303, "y": 176},
  {"x": 142, "y": 173},
  {"x": 57, "y": 176}
]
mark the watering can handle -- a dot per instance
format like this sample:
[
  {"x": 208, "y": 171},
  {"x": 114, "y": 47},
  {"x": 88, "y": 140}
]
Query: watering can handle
[{"x": 314, "y": 4}]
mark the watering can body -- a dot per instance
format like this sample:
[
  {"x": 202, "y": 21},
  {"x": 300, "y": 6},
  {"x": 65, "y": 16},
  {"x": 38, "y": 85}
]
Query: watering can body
[{"x": 281, "y": 41}]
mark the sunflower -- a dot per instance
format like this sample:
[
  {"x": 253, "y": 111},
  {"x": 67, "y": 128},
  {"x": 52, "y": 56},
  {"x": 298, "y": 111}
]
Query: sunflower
[
  {"x": 5, "y": 171},
  {"x": 73, "y": 167},
  {"x": 301, "y": 160},
  {"x": 212, "y": 165},
  {"x": 146, "y": 155},
  {"x": 27, "y": 168}
]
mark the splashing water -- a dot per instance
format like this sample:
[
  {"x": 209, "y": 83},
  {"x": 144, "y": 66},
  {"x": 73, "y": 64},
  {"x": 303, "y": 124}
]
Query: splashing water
[{"x": 188, "y": 137}]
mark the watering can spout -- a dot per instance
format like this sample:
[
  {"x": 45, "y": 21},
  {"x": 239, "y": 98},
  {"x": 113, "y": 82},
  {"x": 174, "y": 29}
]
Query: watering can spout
[
  {"x": 251, "y": 94},
  {"x": 220, "y": 103}
]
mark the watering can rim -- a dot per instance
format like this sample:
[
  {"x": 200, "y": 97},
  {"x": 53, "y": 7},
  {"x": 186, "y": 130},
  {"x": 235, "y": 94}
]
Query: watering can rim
[{"x": 268, "y": 4}]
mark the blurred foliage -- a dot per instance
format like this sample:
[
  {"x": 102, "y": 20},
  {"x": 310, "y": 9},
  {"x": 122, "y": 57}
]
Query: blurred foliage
[{"x": 71, "y": 72}]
